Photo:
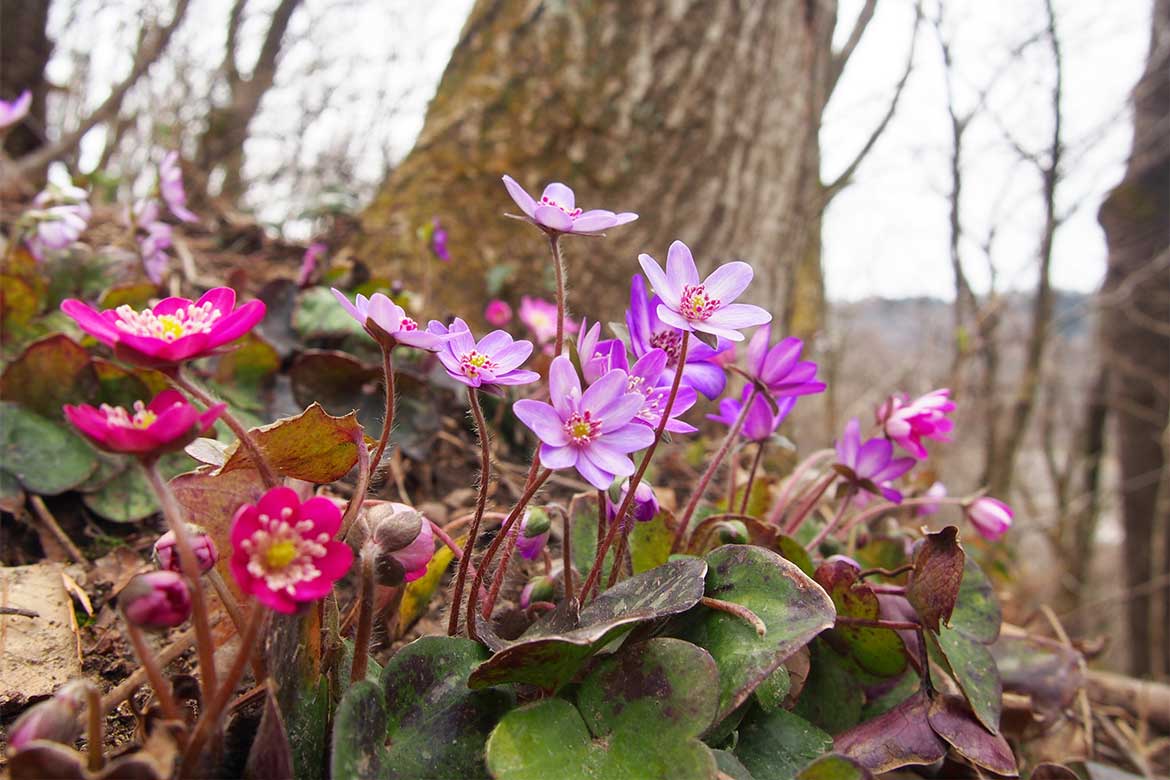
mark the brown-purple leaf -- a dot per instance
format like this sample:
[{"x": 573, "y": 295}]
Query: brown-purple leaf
[
  {"x": 270, "y": 757},
  {"x": 952, "y": 719},
  {"x": 901, "y": 737},
  {"x": 314, "y": 446},
  {"x": 938, "y": 572},
  {"x": 1047, "y": 671}
]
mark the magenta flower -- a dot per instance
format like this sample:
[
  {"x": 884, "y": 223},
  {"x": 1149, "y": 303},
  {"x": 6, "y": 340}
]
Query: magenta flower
[
  {"x": 991, "y": 517},
  {"x": 156, "y": 600},
  {"x": 760, "y": 422},
  {"x": 870, "y": 466},
  {"x": 491, "y": 363},
  {"x": 387, "y": 323},
  {"x": 557, "y": 211},
  {"x": 54, "y": 719},
  {"x": 170, "y": 186},
  {"x": 283, "y": 551},
  {"x": 309, "y": 262},
  {"x": 415, "y": 556},
  {"x": 540, "y": 317},
  {"x": 171, "y": 332},
  {"x": 645, "y": 378},
  {"x": 593, "y": 431},
  {"x": 780, "y": 368},
  {"x": 702, "y": 371},
  {"x": 497, "y": 313},
  {"x": 168, "y": 424},
  {"x": 439, "y": 241},
  {"x": 644, "y": 507},
  {"x": 706, "y": 306},
  {"x": 13, "y": 111},
  {"x": 937, "y": 490},
  {"x": 534, "y": 533},
  {"x": 61, "y": 215},
  {"x": 909, "y": 422},
  {"x": 166, "y": 552}
]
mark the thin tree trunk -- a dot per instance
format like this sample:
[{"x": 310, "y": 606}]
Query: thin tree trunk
[{"x": 1136, "y": 219}]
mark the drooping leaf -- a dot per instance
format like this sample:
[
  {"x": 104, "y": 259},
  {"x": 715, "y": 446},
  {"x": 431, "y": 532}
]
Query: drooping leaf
[
  {"x": 792, "y": 607},
  {"x": 550, "y": 652},
  {"x": 46, "y": 457},
  {"x": 313, "y": 446},
  {"x": 977, "y": 613},
  {"x": 777, "y": 745},
  {"x": 901, "y": 737},
  {"x": 952, "y": 719},
  {"x": 934, "y": 582},
  {"x": 879, "y": 651}
]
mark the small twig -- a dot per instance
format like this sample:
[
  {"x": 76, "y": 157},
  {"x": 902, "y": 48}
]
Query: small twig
[
  {"x": 739, "y": 611},
  {"x": 21, "y": 611},
  {"x": 94, "y": 739},
  {"x": 46, "y": 517}
]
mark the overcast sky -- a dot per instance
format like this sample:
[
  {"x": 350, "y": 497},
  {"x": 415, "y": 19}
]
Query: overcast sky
[{"x": 886, "y": 235}]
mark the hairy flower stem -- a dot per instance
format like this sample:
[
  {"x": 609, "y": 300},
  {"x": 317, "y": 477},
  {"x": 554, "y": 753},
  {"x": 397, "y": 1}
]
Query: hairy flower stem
[
  {"x": 489, "y": 554},
  {"x": 803, "y": 510},
  {"x": 485, "y": 467},
  {"x": 830, "y": 526},
  {"x": 213, "y": 713},
  {"x": 189, "y": 565},
  {"x": 388, "y": 416},
  {"x": 747, "y": 489},
  {"x": 442, "y": 535},
  {"x": 262, "y": 465},
  {"x": 567, "y": 552},
  {"x": 498, "y": 579},
  {"x": 365, "y": 623},
  {"x": 232, "y": 607},
  {"x": 150, "y": 665},
  {"x": 632, "y": 487},
  {"x": 554, "y": 244},
  {"x": 792, "y": 481},
  {"x": 728, "y": 441},
  {"x": 93, "y": 736},
  {"x": 359, "y": 490}
]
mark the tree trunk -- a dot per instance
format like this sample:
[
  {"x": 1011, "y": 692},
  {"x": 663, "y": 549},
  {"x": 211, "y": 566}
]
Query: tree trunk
[
  {"x": 701, "y": 117},
  {"x": 24, "y": 51},
  {"x": 1136, "y": 219}
]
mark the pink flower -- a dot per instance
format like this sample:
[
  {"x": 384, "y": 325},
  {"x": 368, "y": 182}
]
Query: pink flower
[
  {"x": 12, "y": 112},
  {"x": 387, "y": 323},
  {"x": 439, "y": 241},
  {"x": 497, "y": 313},
  {"x": 870, "y": 466},
  {"x": 283, "y": 551},
  {"x": 534, "y": 532},
  {"x": 168, "y": 424},
  {"x": 937, "y": 490},
  {"x": 173, "y": 331},
  {"x": 593, "y": 431},
  {"x": 156, "y": 600},
  {"x": 415, "y": 556},
  {"x": 538, "y": 589},
  {"x": 909, "y": 422},
  {"x": 706, "y": 306},
  {"x": 489, "y": 364},
  {"x": 540, "y": 316},
  {"x": 54, "y": 719},
  {"x": 309, "y": 263},
  {"x": 780, "y": 368},
  {"x": 61, "y": 215},
  {"x": 170, "y": 186},
  {"x": 990, "y": 516},
  {"x": 761, "y": 422},
  {"x": 166, "y": 553},
  {"x": 557, "y": 211},
  {"x": 154, "y": 238}
]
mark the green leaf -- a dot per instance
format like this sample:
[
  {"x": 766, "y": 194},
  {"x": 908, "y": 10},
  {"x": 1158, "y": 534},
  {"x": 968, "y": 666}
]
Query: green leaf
[
  {"x": 128, "y": 497},
  {"x": 774, "y": 690},
  {"x": 834, "y": 767},
  {"x": 792, "y": 607},
  {"x": 11, "y": 493},
  {"x": 250, "y": 364},
  {"x": 46, "y": 457},
  {"x": 832, "y": 697},
  {"x": 650, "y": 542},
  {"x": 550, "y": 652},
  {"x": 729, "y": 765},
  {"x": 777, "y": 745},
  {"x": 51, "y": 372},
  {"x": 977, "y": 613},
  {"x": 583, "y": 514},
  {"x": 136, "y": 295},
  {"x": 359, "y": 734},
  {"x": 879, "y": 651},
  {"x": 973, "y": 667},
  {"x": 794, "y": 551}
]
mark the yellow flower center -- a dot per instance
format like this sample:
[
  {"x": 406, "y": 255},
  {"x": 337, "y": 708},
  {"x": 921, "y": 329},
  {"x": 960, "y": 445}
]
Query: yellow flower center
[
  {"x": 144, "y": 419},
  {"x": 280, "y": 554},
  {"x": 580, "y": 430},
  {"x": 171, "y": 327},
  {"x": 477, "y": 360}
]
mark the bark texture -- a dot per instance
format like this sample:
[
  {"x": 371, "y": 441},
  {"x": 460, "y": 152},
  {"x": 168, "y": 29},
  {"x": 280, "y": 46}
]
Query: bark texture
[
  {"x": 1136, "y": 329},
  {"x": 24, "y": 51},
  {"x": 702, "y": 117}
]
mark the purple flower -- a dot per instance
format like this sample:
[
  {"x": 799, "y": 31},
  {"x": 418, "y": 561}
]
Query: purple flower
[
  {"x": 309, "y": 262},
  {"x": 538, "y": 589},
  {"x": 990, "y": 516},
  {"x": 909, "y": 422},
  {"x": 693, "y": 305},
  {"x": 870, "y": 466},
  {"x": 644, "y": 378},
  {"x": 557, "y": 212},
  {"x": 439, "y": 241},
  {"x": 154, "y": 239},
  {"x": 937, "y": 490},
  {"x": 534, "y": 532},
  {"x": 760, "y": 423},
  {"x": 14, "y": 111},
  {"x": 644, "y": 507},
  {"x": 497, "y": 313},
  {"x": 387, "y": 322},
  {"x": 489, "y": 364},
  {"x": 61, "y": 215},
  {"x": 702, "y": 370},
  {"x": 780, "y": 368},
  {"x": 592, "y": 431},
  {"x": 156, "y": 600},
  {"x": 170, "y": 186}
]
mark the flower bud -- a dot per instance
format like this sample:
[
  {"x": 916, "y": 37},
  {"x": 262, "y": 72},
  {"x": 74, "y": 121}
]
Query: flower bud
[
  {"x": 538, "y": 589},
  {"x": 406, "y": 543},
  {"x": 395, "y": 525},
  {"x": 534, "y": 530},
  {"x": 156, "y": 600},
  {"x": 166, "y": 552},
  {"x": 990, "y": 516},
  {"x": 644, "y": 507},
  {"x": 54, "y": 719}
]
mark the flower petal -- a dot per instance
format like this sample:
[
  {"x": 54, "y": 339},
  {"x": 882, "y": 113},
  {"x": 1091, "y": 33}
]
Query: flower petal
[
  {"x": 560, "y": 194},
  {"x": 603, "y": 392},
  {"x": 553, "y": 218},
  {"x": 628, "y": 438},
  {"x": 521, "y": 196},
  {"x": 564, "y": 386},
  {"x": 323, "y": 514},
  {"x": 594, "y": 221},
  {"x": 558, "y": 457},
  {"x": 595, "y": 476},
  {"x": 680, "y": 266},
  {"x": 659, "y": 282},
  {"x": 275, "y": 501},
  {"x": 544, "y": 421},
  {"x": 220, "y": 298},
  {"x": 739, "y": 315}
]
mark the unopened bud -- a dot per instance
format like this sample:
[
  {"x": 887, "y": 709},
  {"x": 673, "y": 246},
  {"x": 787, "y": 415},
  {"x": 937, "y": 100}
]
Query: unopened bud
[
  {"x": 534, "y": 530},
  {"x": 54, "y": 719},
  {"x": 538, "y": 589},
  {"x": 166, "y": 551},
  {"x": 396, "y": 526},
  {"x": 405, "y": 540},
  {"x": 156, "y": 600}
]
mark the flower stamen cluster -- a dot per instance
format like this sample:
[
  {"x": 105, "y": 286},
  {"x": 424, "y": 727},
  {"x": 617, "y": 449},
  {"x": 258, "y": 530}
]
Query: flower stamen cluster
[
  {"x": 143, "y": 418},
  {"x": 282, "y": 553},
  {"x": 582, "y": 428},
  {"x": 196, "y": 318},
  {"x": 696, "y": 304}
]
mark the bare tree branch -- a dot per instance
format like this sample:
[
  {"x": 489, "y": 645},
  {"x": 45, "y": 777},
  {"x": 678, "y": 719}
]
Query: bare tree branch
[{"x": 841, "y": 57}]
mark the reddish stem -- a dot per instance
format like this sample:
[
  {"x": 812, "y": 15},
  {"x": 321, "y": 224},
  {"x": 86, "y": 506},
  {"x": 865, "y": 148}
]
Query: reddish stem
[{"x": 485, "y": 466}]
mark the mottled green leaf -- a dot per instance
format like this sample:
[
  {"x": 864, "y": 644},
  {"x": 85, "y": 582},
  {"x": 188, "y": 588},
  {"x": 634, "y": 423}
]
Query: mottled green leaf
[
  {"x": 777, "y": 745},
  {"x": 46, "y": 457},
  {"x": 832, "y": 697},
  {"x": 879, "y": 651}
]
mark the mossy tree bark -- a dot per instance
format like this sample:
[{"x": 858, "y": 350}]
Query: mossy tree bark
[{"x": 700, "y": 116}]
